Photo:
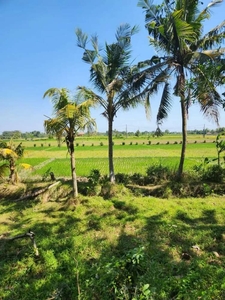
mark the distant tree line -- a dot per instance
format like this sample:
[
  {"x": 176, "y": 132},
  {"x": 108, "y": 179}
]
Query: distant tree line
[{"x": 16, "y": 134}]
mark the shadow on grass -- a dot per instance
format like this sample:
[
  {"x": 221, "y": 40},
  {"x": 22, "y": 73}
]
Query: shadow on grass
[{"x": 109, "y": 254}]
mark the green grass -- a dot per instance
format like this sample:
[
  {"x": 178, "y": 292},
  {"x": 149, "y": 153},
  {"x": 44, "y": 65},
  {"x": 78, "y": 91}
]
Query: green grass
[{"x": 124, "y": 248}]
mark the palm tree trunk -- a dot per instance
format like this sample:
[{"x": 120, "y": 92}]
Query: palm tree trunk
[
  {"x": 12, "y": 166},
  {"x": 73, "y": 166},
  {"x": 110, "y": 150},
  {"x": 184, "y": 128}
]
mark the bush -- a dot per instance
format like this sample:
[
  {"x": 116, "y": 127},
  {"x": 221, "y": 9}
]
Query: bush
[
  {"x": 122, "y": 178},
  {"x": 137, "y": 178},
  {"x": 92, "y": 186},
  {"x": 213, "y": 173},
  {"x": 157, "y": 173}
]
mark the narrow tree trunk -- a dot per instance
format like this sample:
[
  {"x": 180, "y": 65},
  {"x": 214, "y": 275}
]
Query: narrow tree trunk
[
  {"x": 73, "y": 166},
  {"x": 12, "y": 167},
  {"x": 110, "y": 150},
  {"x": 184, "y": 128}
]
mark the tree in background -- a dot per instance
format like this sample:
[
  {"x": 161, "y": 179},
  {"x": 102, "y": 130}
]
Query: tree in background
[
  {"x": 113, "y": 78},
  {"x": 188, "y": 58},
  {"x": 71, "y": 114}
]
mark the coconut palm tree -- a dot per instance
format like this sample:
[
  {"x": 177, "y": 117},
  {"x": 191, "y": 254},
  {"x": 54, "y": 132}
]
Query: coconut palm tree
[
  {"x": 71, "y": 114},
  {"x": 113, "y": 78},
  {"x": 187, "y": 56}
]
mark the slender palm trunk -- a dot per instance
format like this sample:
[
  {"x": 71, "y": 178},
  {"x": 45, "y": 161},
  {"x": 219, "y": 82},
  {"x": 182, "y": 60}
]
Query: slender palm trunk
[
  {"x": 184, "y": 128},
  {"x": 73, "y": 166},
  {"x": 12, "y": 167},
  {"x": 110, "y": 150}
]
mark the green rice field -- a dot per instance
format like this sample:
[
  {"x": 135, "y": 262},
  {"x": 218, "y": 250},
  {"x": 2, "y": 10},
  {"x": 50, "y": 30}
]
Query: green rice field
[{"x": 133, "y": 155}]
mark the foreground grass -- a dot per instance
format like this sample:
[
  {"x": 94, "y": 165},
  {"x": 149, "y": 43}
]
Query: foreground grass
[{"x": 123, "y": 248}]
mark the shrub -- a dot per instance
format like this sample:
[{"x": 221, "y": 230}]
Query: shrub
[
  {"x": 213, "y": 173},
  {"x": 131, "y": 143},
  {"x": 137, "y": 178},
  {"x": 122, "y": 178},
  {"x": 77, "y": 144},
  {"x": 123, "y": 143},
  {"x": 149, "y": 142},
  {"x": 34, "y": 145},
  {"x": 101, "y": 144},
  {"x": 156, "y": 173}
]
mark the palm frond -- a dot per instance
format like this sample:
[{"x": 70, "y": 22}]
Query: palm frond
[
  {"x": 81, "y": 38},
  {"x": 90, "y": 95},
  {"x": 165, "y": 104}
]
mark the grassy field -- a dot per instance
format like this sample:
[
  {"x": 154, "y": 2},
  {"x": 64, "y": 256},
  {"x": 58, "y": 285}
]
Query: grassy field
[
  {"x": 131, "y": 155},
  {"x": 123, "y": 248}
]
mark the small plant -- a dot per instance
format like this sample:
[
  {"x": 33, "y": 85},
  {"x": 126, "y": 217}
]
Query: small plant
[
  {"x": 220, "y": 146},
  {"x": 77, "y": 144},
  {"x": 123, "y": 143},
  {"x": 131, "y": 143},
  {"x": 35, "y": 145},
  {"x": 46, "y": 175},
  {"x": 101, "y": 144}
]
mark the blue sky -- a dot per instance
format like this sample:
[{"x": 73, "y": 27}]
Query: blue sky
[{"x": 38, "y": 51}]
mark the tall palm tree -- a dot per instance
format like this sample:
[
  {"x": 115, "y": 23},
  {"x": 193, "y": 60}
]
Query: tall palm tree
[
  {"x": 112, "y": 76},
  {"x": 71, "y": 114},
  {"x": 187, "y": 56}
]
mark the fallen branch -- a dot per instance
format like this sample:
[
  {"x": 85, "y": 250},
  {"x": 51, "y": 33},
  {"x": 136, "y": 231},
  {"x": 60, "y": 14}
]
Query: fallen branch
[
  {"x": 37, "y": 193},
  {"x": 29, "y": 234}
]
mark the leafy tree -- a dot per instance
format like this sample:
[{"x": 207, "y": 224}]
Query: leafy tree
[
  {"x": 112, "y": 76},
  {"x": 71, "y": 114},
  {"x": 188, "y": 58}
]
